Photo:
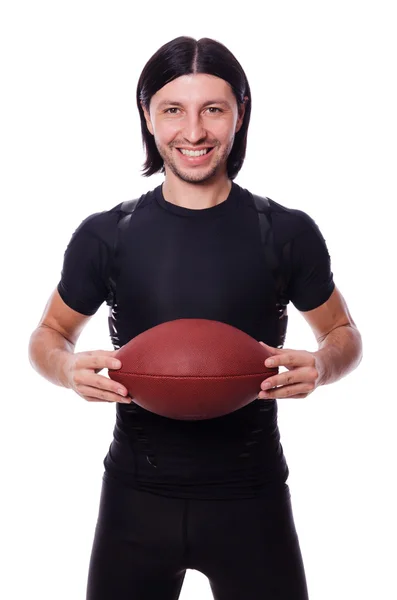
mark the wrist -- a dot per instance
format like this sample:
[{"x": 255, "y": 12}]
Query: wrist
[
  {"x": 321, "y": 367},
  {"x": 63, "y": 358}
]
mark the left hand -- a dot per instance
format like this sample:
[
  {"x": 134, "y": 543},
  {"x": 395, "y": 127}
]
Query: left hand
[{"x": 299, "y": 381}]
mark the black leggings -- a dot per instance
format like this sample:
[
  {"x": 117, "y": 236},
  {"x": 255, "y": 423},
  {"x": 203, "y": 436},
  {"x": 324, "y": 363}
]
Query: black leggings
[{"x": 248, "y": 548}]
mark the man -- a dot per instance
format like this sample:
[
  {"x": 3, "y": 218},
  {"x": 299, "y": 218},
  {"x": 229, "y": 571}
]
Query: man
[{"x": 205, "y": 495}]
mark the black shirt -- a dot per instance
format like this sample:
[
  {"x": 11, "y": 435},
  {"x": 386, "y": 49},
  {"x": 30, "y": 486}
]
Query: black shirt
[{"x": 175, "y": 263}]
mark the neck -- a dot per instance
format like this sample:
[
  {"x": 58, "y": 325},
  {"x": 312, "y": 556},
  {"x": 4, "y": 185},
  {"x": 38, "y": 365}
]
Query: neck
[{"x": 196, "y": 195}]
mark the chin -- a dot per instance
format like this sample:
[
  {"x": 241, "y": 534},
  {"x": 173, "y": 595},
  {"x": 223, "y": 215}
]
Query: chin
[{"x": 196, "y": 177}]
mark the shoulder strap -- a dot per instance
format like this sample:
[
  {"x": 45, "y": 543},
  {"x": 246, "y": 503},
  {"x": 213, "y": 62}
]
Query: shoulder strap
[
  {"x": 277, "y": 265},
  {"x": 127, "y": 208}
]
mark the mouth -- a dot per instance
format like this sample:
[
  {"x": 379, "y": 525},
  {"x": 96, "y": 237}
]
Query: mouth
[
  {"x": 195, "y": 153},
  {"x": 196, "y": 156}
]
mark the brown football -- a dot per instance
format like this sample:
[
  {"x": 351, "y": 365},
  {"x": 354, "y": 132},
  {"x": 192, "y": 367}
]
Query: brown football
[{"x": 192, "y": 369}]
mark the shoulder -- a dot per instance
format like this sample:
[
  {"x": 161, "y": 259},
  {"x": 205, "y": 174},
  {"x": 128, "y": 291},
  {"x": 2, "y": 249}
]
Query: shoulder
[
  {"x": 287, "y": 223},
  {"x": 290, "y": 223},
  {"x": 103, "y": 225},
  {"x": 99, "y": 221},
  {"x": 299, "y": 231}
]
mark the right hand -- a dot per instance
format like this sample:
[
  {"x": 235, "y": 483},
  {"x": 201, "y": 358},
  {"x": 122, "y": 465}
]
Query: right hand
[{"x": 81, "y": 372}]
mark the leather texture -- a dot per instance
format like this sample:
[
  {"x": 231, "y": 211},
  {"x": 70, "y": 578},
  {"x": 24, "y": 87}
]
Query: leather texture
[{"x": 192, "y": 369}]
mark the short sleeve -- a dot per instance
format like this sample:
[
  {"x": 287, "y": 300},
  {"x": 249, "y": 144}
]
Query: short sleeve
[
  {"x": 311, "y": 279},
  {"x": 83, "y": 284}
]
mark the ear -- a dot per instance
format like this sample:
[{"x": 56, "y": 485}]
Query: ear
[
  {"x": 147, "y": 118},
  {"x": 241, "y": 113}
]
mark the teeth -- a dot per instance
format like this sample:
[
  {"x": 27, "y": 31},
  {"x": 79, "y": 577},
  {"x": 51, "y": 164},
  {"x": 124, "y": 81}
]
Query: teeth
[{"x": 195, "y": 152}]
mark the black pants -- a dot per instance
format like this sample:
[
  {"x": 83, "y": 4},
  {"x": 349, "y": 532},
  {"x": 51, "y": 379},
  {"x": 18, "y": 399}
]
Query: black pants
[{"x": 248, "y": 548}]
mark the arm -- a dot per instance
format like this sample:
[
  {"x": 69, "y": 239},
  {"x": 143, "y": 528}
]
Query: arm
[
  {"x": 81, "y": 291},
  {"x": 52, "y": 354},
  {"x": 54, "y": 339},
  {"x": 339, "y": 341},
  {"x": 339, "y": 352}
]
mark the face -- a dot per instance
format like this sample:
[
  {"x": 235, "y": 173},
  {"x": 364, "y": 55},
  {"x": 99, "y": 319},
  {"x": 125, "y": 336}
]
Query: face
[{"x": 195, "y": 114}]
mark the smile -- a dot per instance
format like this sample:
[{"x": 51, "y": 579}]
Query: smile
[{"x": 194, "y": 152}]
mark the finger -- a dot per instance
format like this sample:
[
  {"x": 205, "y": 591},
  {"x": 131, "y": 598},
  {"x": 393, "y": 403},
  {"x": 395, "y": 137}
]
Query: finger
[
  {"x": 101, "y": 395},
  {"x": 271, "y": 349},
  {"x": 298, "y": 375},
  {"x": 303, "y": 395},
  {"x": 101, "y": 352},
  {"x": 92, "y": 399},
  {"x": 289, "y": 391},
  {"x": 291, "y": 359},
  {"x": 101, "y": 382},
  {"x": 97, "y": 362},
  {"x": 85, "y": 377}
]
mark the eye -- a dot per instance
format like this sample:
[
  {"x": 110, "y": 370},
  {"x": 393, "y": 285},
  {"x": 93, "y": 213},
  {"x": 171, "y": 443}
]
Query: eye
[{"x": 213, "y": 110}]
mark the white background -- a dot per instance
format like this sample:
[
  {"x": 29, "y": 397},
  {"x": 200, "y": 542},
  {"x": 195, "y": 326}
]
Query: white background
[{"x": 322, "y": 139}]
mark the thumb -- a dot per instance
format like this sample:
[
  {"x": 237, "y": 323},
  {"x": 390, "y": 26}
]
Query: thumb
[{"x": 271, "y": 349}]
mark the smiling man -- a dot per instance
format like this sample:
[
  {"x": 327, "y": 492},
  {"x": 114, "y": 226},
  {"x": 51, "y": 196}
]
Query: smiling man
[
  {"x": 194, "y": 120},
  {"x": 205, "y": 495}
]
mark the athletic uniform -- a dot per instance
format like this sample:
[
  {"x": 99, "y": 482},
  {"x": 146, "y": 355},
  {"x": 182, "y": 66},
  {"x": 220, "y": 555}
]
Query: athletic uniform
[{"x": 206, "y": 495}]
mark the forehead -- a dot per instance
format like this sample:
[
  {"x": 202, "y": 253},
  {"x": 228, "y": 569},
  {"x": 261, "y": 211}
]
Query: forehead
[{"x": 195, "y": 88}]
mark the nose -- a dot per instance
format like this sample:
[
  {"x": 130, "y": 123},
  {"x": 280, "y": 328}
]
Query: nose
[{"x": 194, "y": 130}]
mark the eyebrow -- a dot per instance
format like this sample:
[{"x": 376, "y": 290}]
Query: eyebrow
[{"x": 175, "y": 103}]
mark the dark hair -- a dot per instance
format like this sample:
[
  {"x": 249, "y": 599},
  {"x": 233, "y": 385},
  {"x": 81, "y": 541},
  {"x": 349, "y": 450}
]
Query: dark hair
[{"x": 184, "y": 56}]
